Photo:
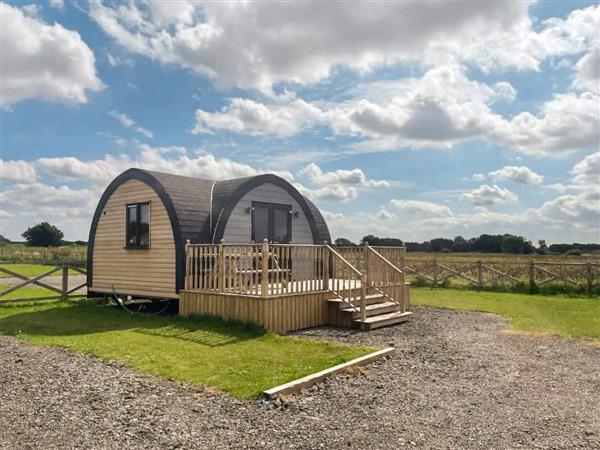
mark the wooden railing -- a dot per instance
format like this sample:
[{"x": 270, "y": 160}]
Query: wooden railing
[
  {"x": 386, "y": 278},
  {"x": 350, "y": 273},
  {"x": 257, "y": 269},
  {"x": 348, "y": 283}
]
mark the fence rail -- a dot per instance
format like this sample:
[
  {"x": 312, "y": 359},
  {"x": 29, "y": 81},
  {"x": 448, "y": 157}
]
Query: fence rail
[
  {"x": 63, "y": 291},
  {"x": 491, "y": 273}
]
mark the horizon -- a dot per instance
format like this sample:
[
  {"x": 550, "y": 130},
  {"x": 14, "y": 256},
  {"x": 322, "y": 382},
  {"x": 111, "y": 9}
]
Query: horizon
[{"x": 414, "y": 120}]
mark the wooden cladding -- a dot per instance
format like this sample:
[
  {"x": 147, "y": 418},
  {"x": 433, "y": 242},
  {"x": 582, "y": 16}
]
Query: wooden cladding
[
  {"x": 142, "y": 271},
  {"x": 279, "y": 314}
]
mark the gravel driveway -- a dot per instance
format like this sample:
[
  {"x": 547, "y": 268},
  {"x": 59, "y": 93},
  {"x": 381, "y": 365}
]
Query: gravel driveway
[{"x": 457, "y": 381}]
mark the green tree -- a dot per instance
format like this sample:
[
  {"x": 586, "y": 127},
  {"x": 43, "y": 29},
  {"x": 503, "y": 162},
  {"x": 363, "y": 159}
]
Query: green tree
[
  {"x": 343, "y": 242},
  {"x": 513, "y": 244},
  {"x": 43, "y": 235}
]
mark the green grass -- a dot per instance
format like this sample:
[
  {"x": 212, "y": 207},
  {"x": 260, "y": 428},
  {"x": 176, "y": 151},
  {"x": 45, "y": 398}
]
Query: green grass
[
  {"x": 239, "y": 359},
  {"x": 27, "y": 292},
  {"x": 32, "y": 270},
  {"x": 561, "y": 316}
]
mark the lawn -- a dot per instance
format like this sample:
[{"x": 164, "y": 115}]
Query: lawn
[
  {"x": 32, "y": 270},
  {"x": 28, "y": 291},
  {"x": 239, "y": 359},
  {"x": 562, "y": 316}
]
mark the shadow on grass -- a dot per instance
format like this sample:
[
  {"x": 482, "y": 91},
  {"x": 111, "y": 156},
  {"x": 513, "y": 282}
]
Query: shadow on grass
[{"x": 63, "y": 319}]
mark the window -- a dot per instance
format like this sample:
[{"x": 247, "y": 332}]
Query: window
[
  {"x": 271, "y": 221},
  {"x": 138, "y": 225}
]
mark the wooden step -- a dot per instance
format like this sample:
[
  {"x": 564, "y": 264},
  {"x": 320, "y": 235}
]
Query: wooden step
[
  {"x": 369, "y": 300},
  {"x": 374, "y": 309},
  {"x": 382, "y": 320}
]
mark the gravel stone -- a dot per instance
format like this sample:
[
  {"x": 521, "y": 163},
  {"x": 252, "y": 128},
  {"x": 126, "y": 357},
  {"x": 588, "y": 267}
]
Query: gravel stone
[{"x": 457, "y": 380}]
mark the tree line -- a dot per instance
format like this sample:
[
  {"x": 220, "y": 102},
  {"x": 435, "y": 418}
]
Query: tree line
[{"x": 485, "y": 243}]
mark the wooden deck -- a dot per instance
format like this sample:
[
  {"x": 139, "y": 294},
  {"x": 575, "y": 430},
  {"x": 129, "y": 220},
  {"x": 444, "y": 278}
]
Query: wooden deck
[{"x": 291, "y": 287}]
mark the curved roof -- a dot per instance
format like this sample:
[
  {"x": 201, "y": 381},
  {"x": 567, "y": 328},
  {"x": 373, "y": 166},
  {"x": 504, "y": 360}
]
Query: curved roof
[{"x": 199, "y": 209}]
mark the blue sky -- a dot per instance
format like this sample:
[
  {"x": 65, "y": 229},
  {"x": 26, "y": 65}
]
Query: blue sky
[{"x": 411, "y": 120}]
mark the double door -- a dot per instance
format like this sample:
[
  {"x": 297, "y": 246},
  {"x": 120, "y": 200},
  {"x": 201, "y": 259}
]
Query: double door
[{"x": 271, "y": 221}]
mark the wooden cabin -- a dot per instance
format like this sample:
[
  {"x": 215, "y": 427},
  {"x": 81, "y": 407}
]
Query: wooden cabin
[{"x": 252, "y": 249}]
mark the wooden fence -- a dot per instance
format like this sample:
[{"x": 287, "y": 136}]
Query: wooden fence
[
  {"x": 491, "y": 273},
  {"x": 62, "y": 292}
]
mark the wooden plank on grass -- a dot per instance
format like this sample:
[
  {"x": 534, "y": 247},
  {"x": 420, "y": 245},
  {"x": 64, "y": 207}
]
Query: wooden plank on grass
[{"x": 309, "y": 380}]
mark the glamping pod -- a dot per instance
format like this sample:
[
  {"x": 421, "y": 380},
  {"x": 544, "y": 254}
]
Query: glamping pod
[{"x": 144, "y": 218}]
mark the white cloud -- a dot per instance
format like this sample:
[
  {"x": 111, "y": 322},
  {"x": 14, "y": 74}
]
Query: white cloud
[
  {"x": 587, "y": 77},
  {"x": 438, "y": 110},
  {"x": 566, "y": 123},
  {"x": 43, "y": 61},
  {"x": 486, "y": 195},
  {"x": 384, "y": 214},
  {"x": 40, "y": 197},
  {"x": 58, "y": 4},
  {"x": 355, "y": 177},
  {"x": 474, "y": 177},
  {"x": 519, "y": 174},
  {"x": 128, "y": 122},
  {"x": 257, "y": 119},
  {"x": 101, "y": 171},
  {"x": 258, "y": 44},
  {"x": 420, "y": 208},
  {"x": 21, "y": 171},
  {"x": 587, "y": 172},
  {"x": 336, "y": 192}
]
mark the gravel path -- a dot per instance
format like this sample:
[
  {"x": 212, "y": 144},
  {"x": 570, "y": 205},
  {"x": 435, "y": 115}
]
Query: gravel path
[{"x": 456, "y": 381}]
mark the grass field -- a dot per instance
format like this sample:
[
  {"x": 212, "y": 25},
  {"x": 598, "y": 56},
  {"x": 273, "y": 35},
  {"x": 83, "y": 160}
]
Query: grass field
[
  {"x": 32, "y": 270},
  {"x": 562, "y": 316},
  {"x": 239, "y": 359},
  {"x": 22, "y": 252},
  {"x": 27, "y": 292}
]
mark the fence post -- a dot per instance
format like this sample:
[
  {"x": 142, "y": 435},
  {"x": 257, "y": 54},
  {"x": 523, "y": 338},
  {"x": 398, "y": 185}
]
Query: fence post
[
  {"x": 365, "y": 262},
  {"x": 531, "y": 276},
  {"x": 325, "y": 256},
  {"x": 590, "y": 280},
  {"x": 363, "y": 296},
  {"x": 221, "y": 273},
  {"x": 480, "y": 274},
  {"x": 188, "y": 265},
  {"x": 264, "y": 287},
  {"x": 435, "y": 272},
  {"x": 65, "y": 281},
  {"x": 403, "y": 287}
]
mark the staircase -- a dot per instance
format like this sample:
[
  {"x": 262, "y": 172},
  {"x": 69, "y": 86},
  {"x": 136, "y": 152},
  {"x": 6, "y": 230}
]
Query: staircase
[
  {"x": 368, "y": 291},
  {"x": 379, "y": 312}
]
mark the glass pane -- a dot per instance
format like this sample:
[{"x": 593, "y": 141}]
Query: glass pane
[
  {"x": 144, "y": 225},
  {"x": 131, "y": 225},
  {"x": 260, "y": 224},
  {"x": 280, "y": 225}
]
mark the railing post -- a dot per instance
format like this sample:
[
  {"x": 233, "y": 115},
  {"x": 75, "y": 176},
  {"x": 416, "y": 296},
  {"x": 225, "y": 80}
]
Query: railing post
[
  {"x": 221, "y": 283},
  {"x": 325, "y": 256},
  {"x": 480, "y": 274},
  {"x": 435, "y": 272},
  {"x": 590, "y": 280},
  {"x": 531, "y": 276},
  {"x": 65, "y": 281},
  {"x": 403, "y": 287},
  {"x": 365, "y": 261},
  {"x": 264, "y": 286},
  {"x": 363, "y": 296},
  {"x": 188, "y": 264}
]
